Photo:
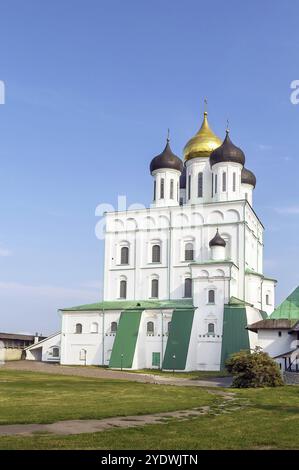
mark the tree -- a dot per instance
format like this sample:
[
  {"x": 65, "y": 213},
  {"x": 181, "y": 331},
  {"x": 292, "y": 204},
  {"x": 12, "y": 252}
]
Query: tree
[{"x": 253, "y": 369}]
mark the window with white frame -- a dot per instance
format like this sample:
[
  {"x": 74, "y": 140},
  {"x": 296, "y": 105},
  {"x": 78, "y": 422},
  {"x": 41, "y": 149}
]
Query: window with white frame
[
  {"x": 211, "y": 328},
  {"x": 94, "y": 327},
  {"x": 124, "y": 255},
  {"x": 171, "y": 189},
  {"x": 224, "y": 181},
  {"x": 211, "y": 296},
  {"x": 162, "y": 188},
  {"x": 188, "y": 287},
  {"x": 189, "y": 251},
  {"x": 78, "y": 328},
  {"x": 123, "y": 289},
  {"x": 150, "y": 328},
  {"x": 200, "y": 184},
  {"x": 55, "y": 351},
  {"x": 155, "y": 288},
  {"x": 113, "y": 327},
  {"x": 156, "y": 253}
]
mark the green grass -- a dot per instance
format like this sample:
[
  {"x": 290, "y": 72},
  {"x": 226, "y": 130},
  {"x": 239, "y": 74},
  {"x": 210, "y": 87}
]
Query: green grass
[
  {"x": 270, "y": 421},
  {"x": 27, "y": 397},
  {"x": 182, "y": 375}
]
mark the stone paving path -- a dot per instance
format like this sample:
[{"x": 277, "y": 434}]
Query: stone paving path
[
  {"x": 102, "y": 373},
  {"x": 228, "y": 404}
]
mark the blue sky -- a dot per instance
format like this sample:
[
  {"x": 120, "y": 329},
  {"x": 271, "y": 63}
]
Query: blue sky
[{"x": 91, "y": 88}]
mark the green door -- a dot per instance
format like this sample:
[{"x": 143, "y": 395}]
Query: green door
[{"x": 156, "y": 359}]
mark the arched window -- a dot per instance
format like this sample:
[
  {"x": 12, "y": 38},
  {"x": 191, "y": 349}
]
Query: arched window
[
  {"x": 155, "y": 289},
  {"x": 55, "y": 352},
  {"x": 212, "y": 184},
  {"x": 150, "y": 328},
  {"x": 171, "y": 189},
  {"x": 211, "y": 296},
  {"x": 189, "y": 252},
  {"x": 123, "y": 289},
  {"x": 211, "y": 329},
  {"x": 189, "y": 187},
  {"x": 156, "y": 254},
  {"x": 78, "y": 328},
  {"x": 113, "y": 327},
  {"x": 155, "y": 184},
  {"x": 82, "y": 355},
  {"x": 188, "y": 287},
  {"x": 216, "y": 183},
  {"x": 94, "y": 327},
  {"x": 162, "y": 188},
  {"x": 200, "y": 184},
  {"x": 224, "y": 181},
  {"x": 124, "y": 255},
  {"x": 168, "y": 327}
]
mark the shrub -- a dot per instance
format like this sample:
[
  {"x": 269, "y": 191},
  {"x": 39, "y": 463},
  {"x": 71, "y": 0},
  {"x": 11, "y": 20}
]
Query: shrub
[{"x": 253, "y": 369}]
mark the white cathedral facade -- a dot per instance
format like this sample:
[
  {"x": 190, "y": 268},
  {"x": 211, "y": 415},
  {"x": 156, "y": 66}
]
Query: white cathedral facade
[{"x": 183, "y": 278}]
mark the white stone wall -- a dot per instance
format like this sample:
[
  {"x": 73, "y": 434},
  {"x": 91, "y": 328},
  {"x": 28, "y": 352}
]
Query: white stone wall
[{"x": 98, "y": 345}]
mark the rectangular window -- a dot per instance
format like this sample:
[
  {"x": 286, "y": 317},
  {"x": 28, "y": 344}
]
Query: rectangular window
[
  {"x": 216, "y": 178},
  {"x": 200, "y": 185},
  {"x": 234, "y": 182},
  {"x": 162, "y": 189},
  {"x": 212, "y": 185},
  {"x": 171, "y": 189},
  {"x": 155, "y": 184},
  {"x": 156, "y": 359},
  {"x": 223, "y": 182},
  {"x": 189, "y": 187}
]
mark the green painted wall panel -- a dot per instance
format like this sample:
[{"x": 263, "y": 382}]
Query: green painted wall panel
[
  {"x": 178, "y": 340},
  {"x": 125, "y": 340},
  {"x": 235, "y": 336}
]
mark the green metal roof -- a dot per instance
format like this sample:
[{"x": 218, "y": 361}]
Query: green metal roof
[
  {"x": 289, "y": 308},
  {"x": 133, "y": 304},
  {"x": 254, "y": 273}
]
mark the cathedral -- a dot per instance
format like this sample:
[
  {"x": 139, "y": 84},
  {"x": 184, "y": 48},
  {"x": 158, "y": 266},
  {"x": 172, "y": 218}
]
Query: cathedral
[{"x": 183, "y": 278}]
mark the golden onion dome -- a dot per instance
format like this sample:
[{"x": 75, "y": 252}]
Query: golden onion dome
[{"x": 203, "y": 143}]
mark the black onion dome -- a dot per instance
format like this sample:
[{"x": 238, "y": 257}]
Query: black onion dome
[
  {"x": 247, "y": 177},
  {"x": 166, "y": 159},
  {"x": 217, "y": 240},
  {"x": 183, "y": 178},
  {"x": 227, "y": 152}
]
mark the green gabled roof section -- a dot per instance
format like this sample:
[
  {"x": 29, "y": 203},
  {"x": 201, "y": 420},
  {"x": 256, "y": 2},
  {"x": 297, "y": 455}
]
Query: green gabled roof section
[
  {"x": 133, "y": 304},
  {"x": 234, "y": 301},
  {"x": 124, "y": 345},
  {"x": 235, "y": 337},
  {"x": 178, "y": 340},
  {"x": 289, "y": 308}
]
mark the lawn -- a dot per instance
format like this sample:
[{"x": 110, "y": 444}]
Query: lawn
[
  {"x": 27, "y": 397},
  {"x": 194, "y": 375},
  {"x": 269, "y": 421}
]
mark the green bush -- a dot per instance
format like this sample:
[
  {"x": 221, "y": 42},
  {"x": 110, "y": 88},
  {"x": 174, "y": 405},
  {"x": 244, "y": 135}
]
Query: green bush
[{"x": 253, "y": 369}]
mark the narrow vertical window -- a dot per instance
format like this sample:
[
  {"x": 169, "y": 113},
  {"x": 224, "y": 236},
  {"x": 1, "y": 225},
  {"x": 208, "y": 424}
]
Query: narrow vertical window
[
  {"x": 189, "y": 252},
  {"x": 124, "y": 255},
  {"x": 155, "y": 185},
  {"x": 155, "y": 289},
  {"x": 178, "y": 192},
  {"x": 171, "y": 189},
  {"x": 211, "y": 296},
  {"x": 162, "y": 189},
  {"x": 156, "y": 254},
  {"x": 189, "y": 187},
  {"x": 123, "y": 289},
  {"x": 234, "y": 182},
  {"x": 216, "y": 178},
  {"x": 223, "y": 181},
  {"x": 211, "y": 328},
  {"x": 150, "y": 328},
  {"x": 200, "y": 184},
  {"x": 188, "y": 287},
  {"x": 212, "y": 184}
]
